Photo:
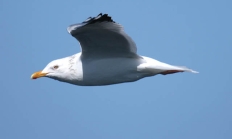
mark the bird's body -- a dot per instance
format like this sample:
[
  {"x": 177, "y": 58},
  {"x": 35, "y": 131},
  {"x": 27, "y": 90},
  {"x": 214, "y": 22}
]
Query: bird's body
[
  {"x": 100, "y": 70},
  {"x": 108, "y": 57}
]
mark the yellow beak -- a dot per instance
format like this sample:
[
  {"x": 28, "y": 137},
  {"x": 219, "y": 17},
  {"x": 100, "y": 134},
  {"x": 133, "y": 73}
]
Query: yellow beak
[{"x": 38, "y": 75}]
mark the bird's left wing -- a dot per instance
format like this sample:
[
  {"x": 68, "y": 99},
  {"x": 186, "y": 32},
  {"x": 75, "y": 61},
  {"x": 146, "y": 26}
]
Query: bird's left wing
[{"x": 102, "y": 36}]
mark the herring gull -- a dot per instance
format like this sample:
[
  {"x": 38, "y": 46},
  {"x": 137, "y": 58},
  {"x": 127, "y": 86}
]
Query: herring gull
[{"x": 108, "y": 56}]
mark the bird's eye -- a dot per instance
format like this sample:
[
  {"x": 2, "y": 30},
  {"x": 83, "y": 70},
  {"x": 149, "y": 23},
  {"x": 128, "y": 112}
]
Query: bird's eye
[{"x": 56, "y": 67}]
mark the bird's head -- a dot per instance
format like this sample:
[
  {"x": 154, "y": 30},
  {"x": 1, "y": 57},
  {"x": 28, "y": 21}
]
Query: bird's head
[{"x": 60, "y": 69}]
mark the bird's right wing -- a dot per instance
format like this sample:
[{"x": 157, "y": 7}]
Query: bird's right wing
[{"x": 102, "y": 36}]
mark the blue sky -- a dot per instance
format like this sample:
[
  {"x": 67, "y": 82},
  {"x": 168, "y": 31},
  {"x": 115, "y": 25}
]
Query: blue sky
[{"x": 196, "y": 34}]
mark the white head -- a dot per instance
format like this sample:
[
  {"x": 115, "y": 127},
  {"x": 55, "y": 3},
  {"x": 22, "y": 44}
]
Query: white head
[{"x": 60, "y": 69}]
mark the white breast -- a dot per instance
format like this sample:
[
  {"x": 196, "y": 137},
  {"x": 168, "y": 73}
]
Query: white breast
[{"x": 109, "y": 71}]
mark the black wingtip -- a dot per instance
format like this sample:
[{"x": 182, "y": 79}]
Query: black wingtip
[{"x": 100, "y": 18}]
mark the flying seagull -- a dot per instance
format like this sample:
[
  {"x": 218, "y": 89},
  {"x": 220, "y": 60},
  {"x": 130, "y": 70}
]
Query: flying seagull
[{"x": 108, "y": 56}]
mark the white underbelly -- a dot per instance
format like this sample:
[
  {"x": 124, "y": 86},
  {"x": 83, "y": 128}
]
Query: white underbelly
[{"x": 110, "y": 71}]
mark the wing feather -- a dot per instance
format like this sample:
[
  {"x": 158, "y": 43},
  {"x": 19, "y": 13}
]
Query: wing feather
[{"x": 102, "y": 36}]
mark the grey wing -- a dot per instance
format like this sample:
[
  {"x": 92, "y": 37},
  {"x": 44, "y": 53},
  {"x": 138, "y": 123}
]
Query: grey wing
[{"x": 102, "y": 36}]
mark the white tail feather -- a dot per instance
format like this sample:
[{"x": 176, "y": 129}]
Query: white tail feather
[{"x": 187, "y": 69}]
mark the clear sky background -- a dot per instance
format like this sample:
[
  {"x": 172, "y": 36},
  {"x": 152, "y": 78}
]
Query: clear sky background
[{"x": 196, "y": 34}]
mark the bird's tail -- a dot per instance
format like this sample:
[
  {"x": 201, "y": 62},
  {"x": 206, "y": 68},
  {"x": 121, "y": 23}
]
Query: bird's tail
[
  {"x": 176, "y": 69},
  {"x": 187, "y": 69}
]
